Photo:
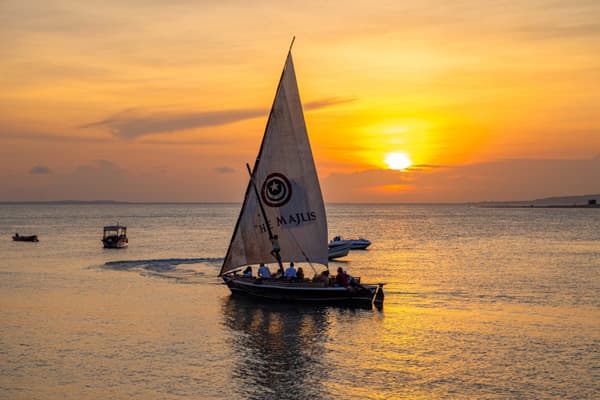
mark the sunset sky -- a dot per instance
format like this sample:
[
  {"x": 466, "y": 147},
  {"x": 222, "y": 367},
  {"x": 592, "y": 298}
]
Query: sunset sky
[{"x": 152, "y": 100}]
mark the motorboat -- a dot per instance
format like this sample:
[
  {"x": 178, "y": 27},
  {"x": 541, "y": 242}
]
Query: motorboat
[
  {"x": 355, "y": 244},
  {"x": 115, "y": 237},
  {"x": 20, "y": 238},
  {"x": 338, "y": 251}
]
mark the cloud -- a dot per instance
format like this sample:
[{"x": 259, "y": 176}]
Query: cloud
[
  {"x": 47, "y": 137},
  {"x": 224, "y": 170},
  {"x": 205, "y": 141},
  {"x": 423, "y": 167},
  {"x": 369, "y": 178},
  {"x": 40, "y": 170},
  {"x": 364, "y": 186},
  {"x": 561, "y": 31},
  {"x": 132, "y": 123},
  {"x": 318, "y": 104},
  {"x": 502, "y": 180}
]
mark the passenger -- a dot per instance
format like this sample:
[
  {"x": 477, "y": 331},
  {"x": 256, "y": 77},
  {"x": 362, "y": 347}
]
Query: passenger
[
  {"x": 275, "y": 246},
  {"x": 342, "y": 278},
  {"x": 290, "y": 273},
  {"x": 300, "y": 274},
  {"x": 352, "y": 281},
  {"x": 248, "y": 272},
  {"x": 264, "y": 272},
  {"x": 322, "y": 278},
  {"x": 276, "y": 250},
  {"x": 277, "y": 274}
]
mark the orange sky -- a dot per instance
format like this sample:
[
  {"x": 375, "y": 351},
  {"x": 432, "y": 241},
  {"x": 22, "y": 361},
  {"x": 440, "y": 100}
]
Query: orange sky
[{"x": 167, "y": 100}]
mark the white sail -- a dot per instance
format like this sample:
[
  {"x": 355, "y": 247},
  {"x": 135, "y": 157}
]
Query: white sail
[{"x": 286, "y": 181}]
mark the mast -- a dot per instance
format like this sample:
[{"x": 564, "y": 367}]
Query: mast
[{"x": 272, "y": 238}]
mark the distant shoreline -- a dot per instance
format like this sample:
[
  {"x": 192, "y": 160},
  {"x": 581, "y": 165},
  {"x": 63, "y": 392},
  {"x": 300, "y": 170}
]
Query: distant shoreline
[
  {"x": 91, "y": 202},
  {"x": 581, "y": 201},
  {"x": 542, "y": 206}
]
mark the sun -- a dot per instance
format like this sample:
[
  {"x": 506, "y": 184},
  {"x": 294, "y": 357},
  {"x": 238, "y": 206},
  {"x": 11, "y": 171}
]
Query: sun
[{"x": 397, "y": 160}]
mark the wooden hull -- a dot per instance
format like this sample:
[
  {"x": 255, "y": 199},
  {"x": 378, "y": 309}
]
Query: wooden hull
[{"x": 289, "y": 291}]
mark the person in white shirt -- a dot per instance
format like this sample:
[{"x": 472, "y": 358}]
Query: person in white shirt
[
  {"x": 290, "y": 273},
  {"x": 263, "y": 271}
]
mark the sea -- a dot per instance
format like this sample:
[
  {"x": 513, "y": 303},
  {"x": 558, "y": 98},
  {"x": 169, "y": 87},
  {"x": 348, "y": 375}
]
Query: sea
[{"x": 480, "y": 303}]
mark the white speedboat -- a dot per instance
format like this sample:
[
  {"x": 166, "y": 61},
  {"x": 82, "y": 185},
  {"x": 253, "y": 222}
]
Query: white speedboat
[
  {"x": 338, "y": 251},
  {"x": 355, "y": 244}
]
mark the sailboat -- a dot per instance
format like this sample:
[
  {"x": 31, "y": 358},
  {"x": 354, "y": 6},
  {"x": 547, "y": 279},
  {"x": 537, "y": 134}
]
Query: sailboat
[{"x": 283, "y": 219}]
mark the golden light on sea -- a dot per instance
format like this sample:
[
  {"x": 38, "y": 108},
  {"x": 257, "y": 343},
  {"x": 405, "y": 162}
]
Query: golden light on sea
[{"x": 397, "y": 160}]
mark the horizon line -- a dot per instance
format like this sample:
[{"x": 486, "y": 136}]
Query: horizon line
[{"x": 106, "y": 201}]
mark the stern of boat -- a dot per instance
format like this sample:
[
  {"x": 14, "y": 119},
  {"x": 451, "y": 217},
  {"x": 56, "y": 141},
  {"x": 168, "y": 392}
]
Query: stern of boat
[{"x": 379, "y": 296}]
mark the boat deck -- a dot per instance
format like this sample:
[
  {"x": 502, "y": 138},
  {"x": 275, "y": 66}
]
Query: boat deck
[{"x": 303, "y": 283}]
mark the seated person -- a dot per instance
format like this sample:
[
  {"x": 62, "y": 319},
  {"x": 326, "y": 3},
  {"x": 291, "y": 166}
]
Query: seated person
[
  {"x": 342, "y": 278},
  {"x": 352, "y": 281},
  {"x": 300, "y": 274},
  {"x": 264, "y": 272},
  {"x": 248, "y": 272},
  {"x": 277, "y": 275},
  {"x": 290, "y": 273},
  {"x": 322, "y": 278}
]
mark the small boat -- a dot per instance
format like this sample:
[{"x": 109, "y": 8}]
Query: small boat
[
  {"x": 283, "y": 217},
  {"x": 355, "y": 244},
  {"x": 115, "y": 237},
  {"x": 338, "y": 251},
  {"x": 19, "y": 238}
]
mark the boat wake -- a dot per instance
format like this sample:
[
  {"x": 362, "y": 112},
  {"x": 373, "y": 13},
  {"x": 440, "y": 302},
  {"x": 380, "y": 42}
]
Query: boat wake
[{"x": 170, "y": 268}]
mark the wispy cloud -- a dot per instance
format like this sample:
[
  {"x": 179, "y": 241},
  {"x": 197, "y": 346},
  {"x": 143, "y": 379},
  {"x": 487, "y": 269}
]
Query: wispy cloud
[
  {"x": 130, "y": 124},
  {"x": 40, "y": 170},
  {"x": 561, "y": 31},
  {"x": 204, "y": 141},
  {"x": 47, "y": 137},
  {"x": 368, "y": 178},
  {"x": 224, "y": 170},
  {"x": 318, "y": 104},
  {"x": 502, "y": 180},
  {"x": 423, "y": 167},
  {"x": 133, "y": 123}
]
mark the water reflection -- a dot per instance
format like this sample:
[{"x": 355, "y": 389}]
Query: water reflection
[{"x": 279, "y": 349}]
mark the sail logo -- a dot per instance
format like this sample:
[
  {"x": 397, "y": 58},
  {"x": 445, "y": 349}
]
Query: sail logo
[{"x": 276, "y": 190}]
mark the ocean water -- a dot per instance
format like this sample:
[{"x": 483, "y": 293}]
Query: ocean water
[{"x": 480, "y": 303}]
